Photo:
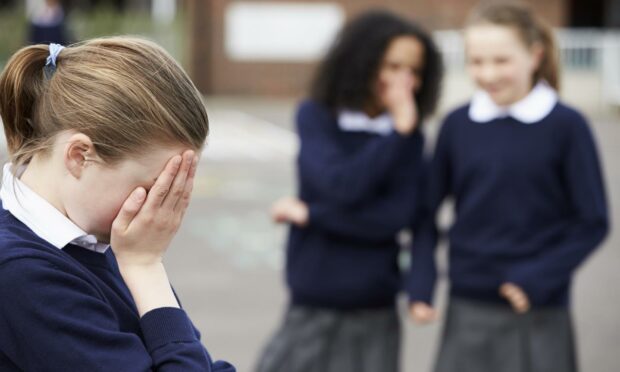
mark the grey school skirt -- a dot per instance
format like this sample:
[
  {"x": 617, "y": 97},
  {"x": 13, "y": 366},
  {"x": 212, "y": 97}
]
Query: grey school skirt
[
  {"x": 321, "y": 340},
  {"x": 483, "y": 337}
]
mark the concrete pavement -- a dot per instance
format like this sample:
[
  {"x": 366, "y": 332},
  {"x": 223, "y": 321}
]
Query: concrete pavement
[{"x": 226, "y": 260}]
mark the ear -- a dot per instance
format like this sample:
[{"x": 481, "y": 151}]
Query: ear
[
  {"x": 537, "y": 51},
  {"x": 78, "y": 150}
]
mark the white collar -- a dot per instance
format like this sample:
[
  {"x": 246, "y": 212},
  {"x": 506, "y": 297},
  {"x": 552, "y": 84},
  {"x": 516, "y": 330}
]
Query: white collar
[
  {"x": 358, "y": 121},
  {"x": 41, "y": 217},
  {"x": 533, "y": 108}
]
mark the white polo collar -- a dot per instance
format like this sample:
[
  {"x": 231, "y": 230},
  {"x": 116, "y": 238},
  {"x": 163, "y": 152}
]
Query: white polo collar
[
  {"x": 533, "y": 108},
  {"x": 358, "y": 121},
  {"x": 41, "y": 217}
]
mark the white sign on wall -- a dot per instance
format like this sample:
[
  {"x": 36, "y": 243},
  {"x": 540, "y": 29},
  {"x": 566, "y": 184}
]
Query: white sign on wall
[{"x": 279, "y": 31}]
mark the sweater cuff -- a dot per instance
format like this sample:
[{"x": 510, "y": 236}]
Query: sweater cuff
[
  {"x": 410, "y": 143},
  {"x": 420, "y": 285},
  {"x": 524, "y": 278},
  {"x": 419, "y": 294},
  {"x": 403, "y": 139},
  {"x": 315, "y": 212},
  {"x": 166, "y": 325}
]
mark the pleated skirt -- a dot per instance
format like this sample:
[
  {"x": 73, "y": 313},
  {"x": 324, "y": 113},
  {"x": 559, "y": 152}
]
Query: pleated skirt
[
  {"x": 484, "y": 337},
  {"x": 322, "y": 340}
]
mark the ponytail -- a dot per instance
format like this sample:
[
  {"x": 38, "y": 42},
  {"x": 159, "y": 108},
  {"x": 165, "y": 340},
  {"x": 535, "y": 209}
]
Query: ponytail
[
  {"x": 530, "y": 28},
  {"x": 21, "y": 86},
  {"x": 126, "y": 94}
]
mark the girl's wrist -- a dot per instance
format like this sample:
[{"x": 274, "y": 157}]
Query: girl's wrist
[
  {"x": 149, "y": 286},
  {"x": 135, "y": 263},
  {"x": 404, "y": 126}
]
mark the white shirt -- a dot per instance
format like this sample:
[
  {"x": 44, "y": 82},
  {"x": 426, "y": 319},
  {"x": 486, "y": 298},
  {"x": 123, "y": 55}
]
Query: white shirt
[
  {"x": 41, "y": 217},
  {"x": 357, "y": 121},
  {"x": 533, "y": 108}
]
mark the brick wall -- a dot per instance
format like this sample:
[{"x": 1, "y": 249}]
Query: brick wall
[{"x": 215, "y": 73}]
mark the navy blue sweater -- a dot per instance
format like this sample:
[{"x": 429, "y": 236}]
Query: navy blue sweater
[
  {"x": 530, "y": 206},
  {"x": 69, "y": 310},
  {"x": 360, "y": 188}
]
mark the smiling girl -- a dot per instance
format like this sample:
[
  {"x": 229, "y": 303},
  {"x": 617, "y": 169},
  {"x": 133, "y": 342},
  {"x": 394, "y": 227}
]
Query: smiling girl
[{"x": 524, "y": 173}]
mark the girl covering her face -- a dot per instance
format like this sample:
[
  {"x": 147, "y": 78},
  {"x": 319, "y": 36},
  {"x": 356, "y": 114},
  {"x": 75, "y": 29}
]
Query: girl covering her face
[{"x": 103, "y": 138}]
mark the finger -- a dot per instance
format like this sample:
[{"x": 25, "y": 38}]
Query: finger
[
  {"x": 516, "y": 293},
  {"x": 181, "y": 208},
  {"x": 275, "y": 214},
  {"x": 178, "y": 183},
  {"x": 509, "y": 292},
  {"x": 422, "y": 312},
  {"x": 425, "y": 315},
  {"x": 430, "y": 314},
  {"x": 506, "y": 289},
  {"x": 276, "y": 211},
  {"x": 129, "y": 210},
  {"x": 282, "y": 215},
  {"x": 303, "y": 213},
  {"x": 186, "y": 194},
  {"x": 521, "y": 308},
  {"x": 521, "y": 302},
  {"x": 160, "y": 189},
  {"x": 410, "y": 79},
  {"x": 417, "y": 82},
  {"x": 404, "y": 82},
  {"x": 515, "y": 299},
  {"x": 281, "y": 219},
  {"x": 282, "y": 203},
  {"x": 520, "y": 305},
  {"x": 526, "y": 306}
]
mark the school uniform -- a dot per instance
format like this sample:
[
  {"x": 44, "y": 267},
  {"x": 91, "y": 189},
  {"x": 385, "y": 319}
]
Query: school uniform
[
  {"x": 530, "y": 207},
  {"x": 359, "y": 178},
  {"x": 65, "y": 306}
]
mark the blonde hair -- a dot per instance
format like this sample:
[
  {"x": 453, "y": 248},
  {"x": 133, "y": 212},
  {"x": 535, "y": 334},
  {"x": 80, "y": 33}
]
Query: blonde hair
[
  {"x": 126, "y": 94},
  {"x": 530, "y": 28}
]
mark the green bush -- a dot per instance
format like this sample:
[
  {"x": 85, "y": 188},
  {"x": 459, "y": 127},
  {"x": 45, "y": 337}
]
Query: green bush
[
  {"x": 99, "y": 22},
  {"x": 13, "y": 26}
]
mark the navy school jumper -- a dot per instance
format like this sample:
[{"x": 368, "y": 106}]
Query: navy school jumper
[
  {"x": 530, "y": 206},
  {"x": 69, "y": 310},
  {"x": 361, "y": 189}
]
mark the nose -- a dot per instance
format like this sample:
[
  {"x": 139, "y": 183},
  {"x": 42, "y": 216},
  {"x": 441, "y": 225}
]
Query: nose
[
  {"x": 488, "y": 73},
  {"x": 404, "y": 73}
]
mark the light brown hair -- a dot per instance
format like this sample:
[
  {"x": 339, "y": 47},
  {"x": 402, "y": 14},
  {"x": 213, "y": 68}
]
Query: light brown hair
[
  {"x": 126, "y": 94},
  {"x": 530, "y": 28}
]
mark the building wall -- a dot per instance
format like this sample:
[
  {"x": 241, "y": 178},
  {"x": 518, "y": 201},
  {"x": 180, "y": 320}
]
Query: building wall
[{"x": 216, "y": 73}]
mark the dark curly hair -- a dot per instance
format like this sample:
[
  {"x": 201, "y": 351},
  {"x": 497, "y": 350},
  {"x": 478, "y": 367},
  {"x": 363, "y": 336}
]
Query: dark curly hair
[{"x": 344, "y": 77}]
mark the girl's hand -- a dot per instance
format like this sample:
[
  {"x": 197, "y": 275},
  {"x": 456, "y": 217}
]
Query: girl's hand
[
  {"x": 398, "y": 99},
  {"x": 290, "y": 210},
  {"x": 422, "y": 313},
  {"x": 146, "y": 224},
  {"x": 516, "y": 297}
]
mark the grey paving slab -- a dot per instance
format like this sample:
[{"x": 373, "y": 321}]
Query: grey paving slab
[
  {"x": 226, "y": 262},
  {"x": 234, "y": 289}
]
